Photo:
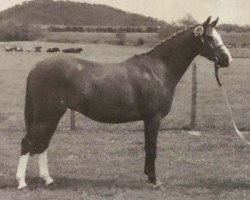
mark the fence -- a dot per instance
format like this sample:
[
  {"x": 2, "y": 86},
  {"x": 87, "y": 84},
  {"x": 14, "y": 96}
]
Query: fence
[{"x": 193, "y": 102}]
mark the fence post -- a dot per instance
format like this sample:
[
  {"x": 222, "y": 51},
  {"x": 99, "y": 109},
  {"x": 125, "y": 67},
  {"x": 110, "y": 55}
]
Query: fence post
[
  {"x": 194, "y": 95},
  {"x": 72, "y": 120}
]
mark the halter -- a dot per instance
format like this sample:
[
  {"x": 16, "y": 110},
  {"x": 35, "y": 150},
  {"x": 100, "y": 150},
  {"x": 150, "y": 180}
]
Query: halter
[
  {"x": 216, "y": 60},
  {"x": 216, "y": 65},
  {"x": 214, "y": 49},
  {"x": 216, "y": 70}
]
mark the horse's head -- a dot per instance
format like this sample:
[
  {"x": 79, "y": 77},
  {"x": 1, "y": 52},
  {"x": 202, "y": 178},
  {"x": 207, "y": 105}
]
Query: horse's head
[{"x": 210, "y": 44}]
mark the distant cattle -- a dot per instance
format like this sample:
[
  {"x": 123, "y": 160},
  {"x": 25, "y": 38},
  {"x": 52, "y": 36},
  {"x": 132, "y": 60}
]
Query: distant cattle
[
  {"x": 245, "y": 45},
  {"x": 35, "y": 49},
  {"x": 13, "y": 49},
  {"x": 72, "y": 50},
  {"x": 38, "y": 49},
  {"x": 231, "y": 45},
  {"x": 53, "y": 50}
]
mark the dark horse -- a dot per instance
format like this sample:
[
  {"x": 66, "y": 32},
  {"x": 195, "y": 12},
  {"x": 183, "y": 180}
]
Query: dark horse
[{"x": 140, "y": 88}]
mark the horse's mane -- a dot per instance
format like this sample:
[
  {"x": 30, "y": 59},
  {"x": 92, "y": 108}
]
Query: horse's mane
[{"x": 178, "y": 33}]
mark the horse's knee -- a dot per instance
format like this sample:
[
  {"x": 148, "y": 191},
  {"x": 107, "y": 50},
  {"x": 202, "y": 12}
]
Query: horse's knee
[
  {"x": 34, "y": 145},
  {"x": 40, "y": 146}
]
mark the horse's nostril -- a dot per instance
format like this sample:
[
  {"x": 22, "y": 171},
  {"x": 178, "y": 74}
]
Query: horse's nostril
[{"x": 225, "y": 58}]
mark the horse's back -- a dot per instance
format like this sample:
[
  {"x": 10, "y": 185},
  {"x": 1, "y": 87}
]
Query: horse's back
[{"x": 121, "y": 92}]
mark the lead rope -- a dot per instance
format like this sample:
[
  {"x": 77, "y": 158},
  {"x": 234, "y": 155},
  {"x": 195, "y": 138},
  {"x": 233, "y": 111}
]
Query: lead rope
[{"x": 216, "y": 69}]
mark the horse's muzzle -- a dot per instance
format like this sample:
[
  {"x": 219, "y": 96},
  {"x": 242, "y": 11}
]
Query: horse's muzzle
[{"x": 224, "y": 61}]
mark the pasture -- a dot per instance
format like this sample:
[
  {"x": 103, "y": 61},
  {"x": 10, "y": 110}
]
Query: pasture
[{"x": 102, "y": 161}]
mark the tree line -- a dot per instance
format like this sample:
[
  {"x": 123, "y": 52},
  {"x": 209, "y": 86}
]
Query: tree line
[
  {"x": 104, "y": 29},
  {"x": 11, "y": 30}
]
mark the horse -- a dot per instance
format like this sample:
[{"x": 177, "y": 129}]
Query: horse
[
  {"x": 72, "y": 50},
  {"x": 140, "y": 88}
]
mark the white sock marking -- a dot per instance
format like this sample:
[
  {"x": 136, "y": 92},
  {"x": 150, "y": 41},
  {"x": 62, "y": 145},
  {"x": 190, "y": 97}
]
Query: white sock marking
[
  {"x": 21, "y": 170},
  {"x": 43, "y": 168}
]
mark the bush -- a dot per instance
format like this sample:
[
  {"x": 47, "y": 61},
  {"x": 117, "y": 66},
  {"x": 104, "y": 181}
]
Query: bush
[
  {"x": 121, "y": 36},
  {"x": 12, "y": 31},
  {"x": 140, "y": 41}
]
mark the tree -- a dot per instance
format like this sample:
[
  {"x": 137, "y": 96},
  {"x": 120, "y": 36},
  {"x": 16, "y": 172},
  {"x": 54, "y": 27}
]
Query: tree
[
  {"x": 121, "y": 36},
  {"x": 13, "y": 31},
  {"x": 167, "y": 30},
  {"x": 187, "y": 20}
]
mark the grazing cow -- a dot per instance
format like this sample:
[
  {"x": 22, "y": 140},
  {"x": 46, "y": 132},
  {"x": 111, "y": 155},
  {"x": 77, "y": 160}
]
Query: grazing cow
[
  {"x": 53, "y": 50},
  {"x": 79, "y": 50},
  {"x": 35, "y": 49},
  {"x": 9, "y": 48},
  {"x": 72, "y": 50},
  {"x": 18, "y": 49},
  {"x": 29, "y": 50},
  {"x": 38, "y": 49},
  {"x": 245, "y": 45},
  {"x": 13, "y": 48},
  {"x": 231, "y": 45}
]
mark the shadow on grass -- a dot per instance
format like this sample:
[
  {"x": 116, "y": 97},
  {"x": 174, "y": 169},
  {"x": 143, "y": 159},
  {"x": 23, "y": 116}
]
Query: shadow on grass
[
  {"x": 214, "y": 184},
  {"x": 75, "y": 184},
  {"x": 219, "y": 184}
]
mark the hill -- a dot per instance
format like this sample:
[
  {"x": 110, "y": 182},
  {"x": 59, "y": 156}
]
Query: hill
[{"x": 49, "y": 12}]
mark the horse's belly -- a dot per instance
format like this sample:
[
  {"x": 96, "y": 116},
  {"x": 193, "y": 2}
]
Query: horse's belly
[
  {"x": 110, "y": 113},
  {"x": 107, "y": 108}
]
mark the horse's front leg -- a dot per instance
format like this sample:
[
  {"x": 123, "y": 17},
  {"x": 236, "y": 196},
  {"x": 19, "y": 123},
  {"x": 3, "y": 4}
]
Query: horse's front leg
[{"x": 151, "y": 127}]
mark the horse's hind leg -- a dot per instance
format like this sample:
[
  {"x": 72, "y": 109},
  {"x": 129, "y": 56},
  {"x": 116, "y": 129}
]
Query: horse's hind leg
[
  {"x": 37, "y": 141},
  {"x": 43, "y": 168},
  {"x": 21, "y": 170}
]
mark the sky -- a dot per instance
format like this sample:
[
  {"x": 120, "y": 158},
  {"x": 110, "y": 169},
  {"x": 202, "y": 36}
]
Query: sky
[{"x": 229, "y": 11}]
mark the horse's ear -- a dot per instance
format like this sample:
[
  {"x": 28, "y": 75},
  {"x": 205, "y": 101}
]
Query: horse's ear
[
  {"x": 198, "y": 31},
  {"x": 205, "y": 24},
  {"x": 214, "y": 23}
]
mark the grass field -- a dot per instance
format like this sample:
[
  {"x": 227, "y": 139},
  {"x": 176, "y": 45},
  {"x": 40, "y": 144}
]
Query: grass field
[
  {"x": 102, "y": 161},
  {"x": 98, "y": 38}
]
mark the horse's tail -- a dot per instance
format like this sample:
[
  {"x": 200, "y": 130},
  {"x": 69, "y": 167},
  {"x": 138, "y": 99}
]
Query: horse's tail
[{"x": 28, "y": 110}]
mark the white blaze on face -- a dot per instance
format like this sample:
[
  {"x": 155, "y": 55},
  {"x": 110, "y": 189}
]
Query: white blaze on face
[{"x": 220, "y": 43}]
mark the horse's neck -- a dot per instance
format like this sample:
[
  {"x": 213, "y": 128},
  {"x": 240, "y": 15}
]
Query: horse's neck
[{"x": 176, "y": 54}]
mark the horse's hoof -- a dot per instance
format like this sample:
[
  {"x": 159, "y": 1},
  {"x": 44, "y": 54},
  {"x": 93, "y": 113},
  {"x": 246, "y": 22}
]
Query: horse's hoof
[
  {"x": 22, "y": 186},
  {"x": 52, "y": 186},
  {"x": 157, "y": 185},
  {"x": 49, "y": 182}
]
